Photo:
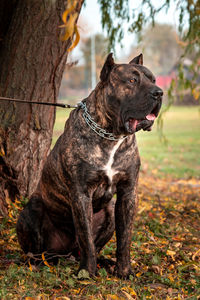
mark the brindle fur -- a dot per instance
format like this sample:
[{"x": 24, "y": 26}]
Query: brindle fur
[{"x": 73, "y": 208}]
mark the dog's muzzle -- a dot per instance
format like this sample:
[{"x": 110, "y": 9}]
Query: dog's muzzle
[{"x": 133, "y": 125}]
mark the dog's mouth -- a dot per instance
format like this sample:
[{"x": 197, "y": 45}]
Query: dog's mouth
[{"x": 132, "y": 125}]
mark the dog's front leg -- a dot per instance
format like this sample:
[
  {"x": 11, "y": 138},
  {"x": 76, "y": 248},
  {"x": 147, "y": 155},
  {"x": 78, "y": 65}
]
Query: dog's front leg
[
  {"x": 83, "y": 219},
  {"x": 124, "y": 212}
]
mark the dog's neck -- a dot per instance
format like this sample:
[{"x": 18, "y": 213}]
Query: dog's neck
[{"x": 98, "y": 109}]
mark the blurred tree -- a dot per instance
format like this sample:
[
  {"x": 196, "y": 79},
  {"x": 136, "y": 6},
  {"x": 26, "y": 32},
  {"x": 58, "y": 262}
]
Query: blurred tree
[
  {"x": 101, "y": 50},
  {"x": 160, "y": 48},
  {"x": 32, "y": 60},
  {"x": 78, "y": 77}
]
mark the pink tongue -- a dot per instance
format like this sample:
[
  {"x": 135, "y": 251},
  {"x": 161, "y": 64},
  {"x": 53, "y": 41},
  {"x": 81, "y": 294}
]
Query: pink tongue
[
  {"x": 135, "y": 124},
  {"x": 151, "y": 117}
]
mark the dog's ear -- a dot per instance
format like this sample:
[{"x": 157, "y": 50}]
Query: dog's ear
[
  {"x": 108, "y": 65},
  {"x": 138, "y": 60}
]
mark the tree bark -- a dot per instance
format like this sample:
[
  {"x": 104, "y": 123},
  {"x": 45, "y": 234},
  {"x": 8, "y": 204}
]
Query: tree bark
[{"x": 32, "y": 61}]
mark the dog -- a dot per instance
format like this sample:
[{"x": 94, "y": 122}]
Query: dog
[{"x": 73, "y": 209}]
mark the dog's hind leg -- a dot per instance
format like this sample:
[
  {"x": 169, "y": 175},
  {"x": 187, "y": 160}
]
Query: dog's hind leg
[
  {"x": 29, "y": 227},
  {"x": 37, "y": 233}
]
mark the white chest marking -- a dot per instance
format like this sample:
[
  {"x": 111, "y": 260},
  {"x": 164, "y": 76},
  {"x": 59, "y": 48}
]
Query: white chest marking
[{"x": 110, "y": 172}]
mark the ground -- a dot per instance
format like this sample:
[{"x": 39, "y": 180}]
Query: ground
[{"x": 165, "y": 249}]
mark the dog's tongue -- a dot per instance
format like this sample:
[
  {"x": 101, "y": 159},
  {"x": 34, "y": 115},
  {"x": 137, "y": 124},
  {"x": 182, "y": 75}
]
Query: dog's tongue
[
  {"x": 133, "y": 124},
  {"x": 151, "y": 117}
]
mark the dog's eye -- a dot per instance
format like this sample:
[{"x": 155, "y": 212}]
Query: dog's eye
[{"x": 133, "y": 80}]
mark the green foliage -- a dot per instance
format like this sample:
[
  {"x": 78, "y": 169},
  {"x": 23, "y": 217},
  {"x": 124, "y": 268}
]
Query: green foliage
[
  {"x": 115, "y": 13},
  {"x": 112, "y": 15}
]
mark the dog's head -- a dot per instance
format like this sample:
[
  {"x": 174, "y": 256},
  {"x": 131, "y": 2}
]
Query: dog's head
[{"x": 133, "y": 98}]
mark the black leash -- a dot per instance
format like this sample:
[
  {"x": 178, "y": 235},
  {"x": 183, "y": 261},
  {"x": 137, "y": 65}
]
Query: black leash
[{"x": 35, "y": 102}]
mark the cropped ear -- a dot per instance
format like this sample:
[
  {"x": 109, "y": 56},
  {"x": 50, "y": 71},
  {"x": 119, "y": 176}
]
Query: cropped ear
[
  {"x": 138, "y": 60},
  {"x": 108, "y": 65}
]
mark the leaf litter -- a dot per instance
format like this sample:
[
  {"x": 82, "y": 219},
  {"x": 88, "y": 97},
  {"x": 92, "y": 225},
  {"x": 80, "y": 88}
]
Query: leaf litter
[{"x": 165, "y": 253}]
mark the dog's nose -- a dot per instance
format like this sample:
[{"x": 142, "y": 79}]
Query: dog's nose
[{"x": 157, "y": 92}]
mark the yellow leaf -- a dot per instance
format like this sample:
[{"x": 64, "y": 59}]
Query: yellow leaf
[
  {"x": 171, "y": 253},
  {"x": 193, "y": 281},
  {"x": 68, "y": 11},
  {"x": 46, "y": 263},
  {"x": 75, "y": 43},
  {"x": 129, "y": 297},
  {"x": 12, "y": 237},
  {"x": 112, "y": 297},
  {"x": 30, "y": 266},
  {"x": 129, "y": 290},
  {"x": 85, "y": 282},
  {"x": 76, "y": 291},
  {"x": 69, "y": 27},
  {"x": 69, "y": 18},
  {"x": 195, "y": 94},
  {"x": 42, "y": 297},
  {"x": 195, "y": 254},
  {"x": 171, "y": 278},
  {"x": 2, "y": 152},
  {"x": 62, "y": 298},
  {"x": 10, "y": 214}
]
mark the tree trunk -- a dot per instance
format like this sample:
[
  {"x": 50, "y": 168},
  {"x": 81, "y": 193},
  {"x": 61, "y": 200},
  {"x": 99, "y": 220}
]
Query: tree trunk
[{"x": 32, "y": 61}]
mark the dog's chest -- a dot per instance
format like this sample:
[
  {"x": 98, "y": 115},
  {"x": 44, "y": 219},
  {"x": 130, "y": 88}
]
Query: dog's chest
[{"x": 108, "y": 168}]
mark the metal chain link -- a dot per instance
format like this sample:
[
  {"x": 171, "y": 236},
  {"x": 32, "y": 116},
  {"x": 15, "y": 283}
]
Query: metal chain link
[{"x": 95, "y": 127}]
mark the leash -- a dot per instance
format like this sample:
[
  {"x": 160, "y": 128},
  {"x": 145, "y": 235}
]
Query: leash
[
  {"x": 88, "y": 119},
  {"x": 42, "y": 103}
]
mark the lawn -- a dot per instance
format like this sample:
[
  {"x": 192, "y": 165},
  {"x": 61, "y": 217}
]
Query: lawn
[{"x": 165, "y": 248}]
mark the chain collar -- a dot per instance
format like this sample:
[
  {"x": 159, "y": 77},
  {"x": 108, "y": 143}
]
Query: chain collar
[{"x": 95, "y": 127}]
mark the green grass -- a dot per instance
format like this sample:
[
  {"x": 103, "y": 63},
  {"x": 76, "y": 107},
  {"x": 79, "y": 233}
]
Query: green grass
[
  {"x": 62, "y": 115},
  {"x": 179, "y": 158}
]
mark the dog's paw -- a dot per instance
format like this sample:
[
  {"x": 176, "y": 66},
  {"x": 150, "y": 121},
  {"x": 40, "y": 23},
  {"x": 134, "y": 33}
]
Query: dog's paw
[
  {"x": 123, "y": 272},
  {"x": 88, "y": 268}
]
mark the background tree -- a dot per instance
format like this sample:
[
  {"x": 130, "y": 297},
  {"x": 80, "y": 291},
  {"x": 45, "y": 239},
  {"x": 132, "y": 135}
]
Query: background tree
[
  {"x": 160, "y": 48},
  {"x": 76, "y": 83},
  {"x": 114, "y": 13},
  {"x": 101, "y": 46},
  {"x": 32, "y": 60}
]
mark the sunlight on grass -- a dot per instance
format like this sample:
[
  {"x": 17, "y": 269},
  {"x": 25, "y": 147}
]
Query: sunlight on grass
[{"x": 180, "y": 157}]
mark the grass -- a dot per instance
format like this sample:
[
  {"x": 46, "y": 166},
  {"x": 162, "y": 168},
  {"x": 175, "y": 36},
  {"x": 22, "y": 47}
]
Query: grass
[
  {"x": 165, "y": 254},
  {"x": 165, "y": 251},
  {"x": 179, "y": 158}
]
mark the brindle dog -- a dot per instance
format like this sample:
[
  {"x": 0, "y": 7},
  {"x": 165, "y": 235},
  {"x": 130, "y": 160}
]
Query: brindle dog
[{"x": 73, "y": 209}]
